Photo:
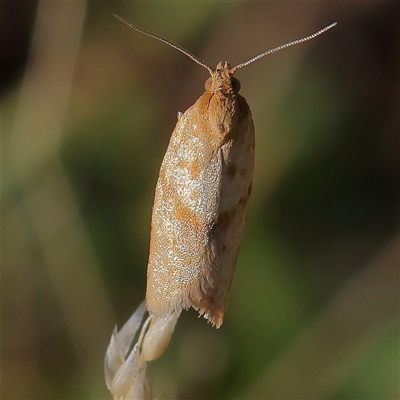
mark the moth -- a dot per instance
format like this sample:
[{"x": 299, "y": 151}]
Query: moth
[
  {"x": 200, "y": 205},
  {"x": 202, "y": 196}
]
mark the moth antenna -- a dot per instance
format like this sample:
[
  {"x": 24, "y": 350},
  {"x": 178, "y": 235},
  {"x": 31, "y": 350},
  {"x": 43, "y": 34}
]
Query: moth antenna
[
  {"x": 168, "y": 42},
  {"x": 283, "y": 46}
]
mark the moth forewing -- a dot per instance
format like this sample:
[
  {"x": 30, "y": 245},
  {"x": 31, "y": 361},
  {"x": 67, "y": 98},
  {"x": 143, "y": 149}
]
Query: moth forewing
[
  {"x": 185, "y": 205},
  {"x": 237, "y": 175}
]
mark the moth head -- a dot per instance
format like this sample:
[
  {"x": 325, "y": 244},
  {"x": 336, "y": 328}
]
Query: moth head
[{"x": 222, "y": 80}]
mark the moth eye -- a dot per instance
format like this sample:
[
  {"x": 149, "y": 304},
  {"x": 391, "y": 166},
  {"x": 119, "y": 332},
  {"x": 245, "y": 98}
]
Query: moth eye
[
  {"x": 235, "y": 84},
  {"x": 207, "y": 85}
]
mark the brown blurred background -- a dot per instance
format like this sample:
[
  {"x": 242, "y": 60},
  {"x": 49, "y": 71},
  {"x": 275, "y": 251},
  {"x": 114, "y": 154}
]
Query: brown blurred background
[{"x": 87, "y": 109}]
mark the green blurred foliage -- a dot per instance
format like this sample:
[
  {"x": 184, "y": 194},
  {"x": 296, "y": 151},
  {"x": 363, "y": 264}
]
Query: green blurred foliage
[{"x": 313, "y": 311}]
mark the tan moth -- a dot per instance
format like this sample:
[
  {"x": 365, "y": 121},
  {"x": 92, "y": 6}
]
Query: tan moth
[{"x": 199, "y": 212}]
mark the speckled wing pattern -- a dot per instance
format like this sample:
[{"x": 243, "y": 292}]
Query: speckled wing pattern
[{"x": 184, "y": 214}]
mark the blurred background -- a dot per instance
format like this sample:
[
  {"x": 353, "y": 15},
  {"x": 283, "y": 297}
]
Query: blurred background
[{"x": 87, "y": 109}]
